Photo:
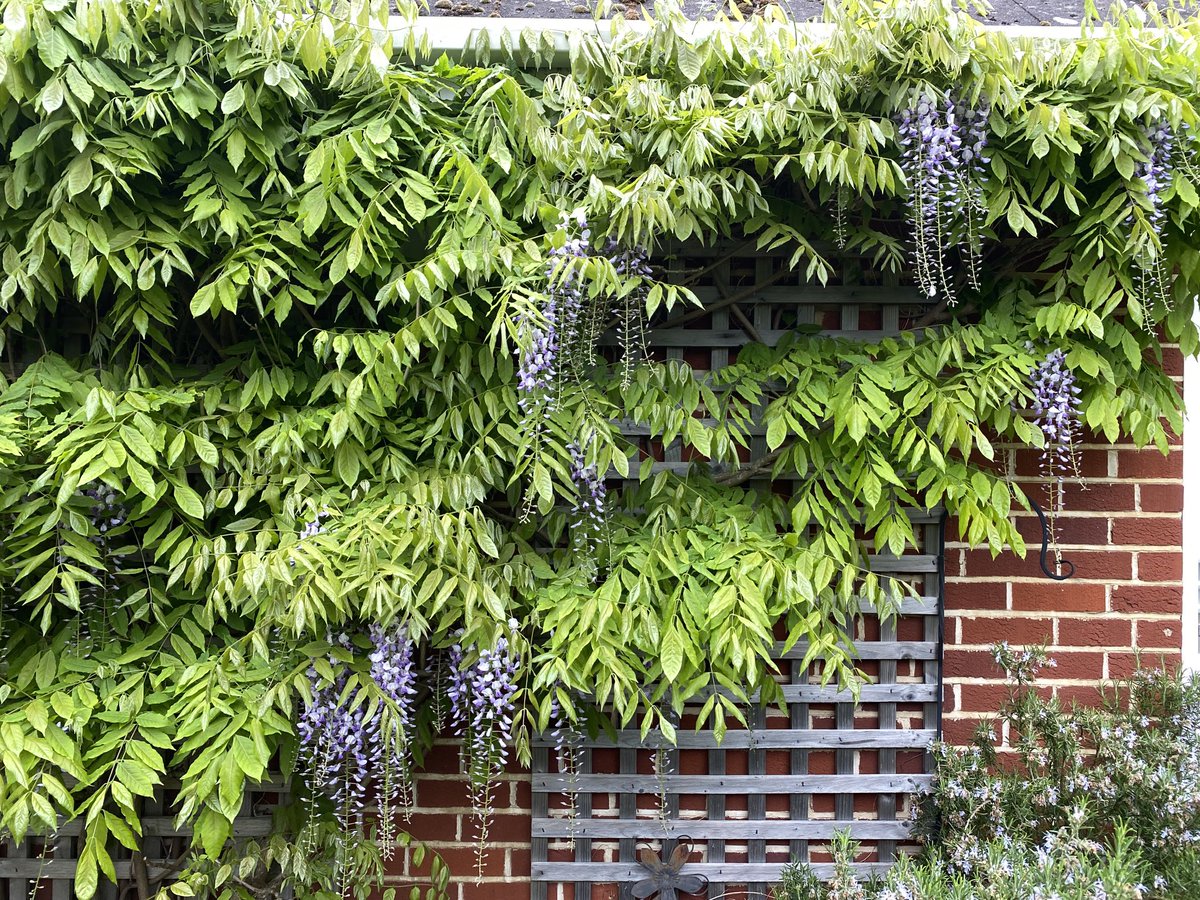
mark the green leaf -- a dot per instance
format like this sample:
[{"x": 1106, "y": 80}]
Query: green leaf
[
  {"x": 671, "y": 653},
  {"x": 189, "y": 501},
  {"x": 234, "y": 99}
]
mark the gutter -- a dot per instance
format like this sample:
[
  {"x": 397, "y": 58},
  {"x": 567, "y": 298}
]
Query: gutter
[{"x": 454, "y": 35}]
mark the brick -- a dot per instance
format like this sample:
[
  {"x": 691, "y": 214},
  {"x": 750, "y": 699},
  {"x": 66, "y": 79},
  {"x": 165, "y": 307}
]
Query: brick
[
  {"x": 1092, "y": 464},
  {"x": 1147, "y": 598},
  {"x": 512, "y": 890},
  {"x": 968, "y": 664},
  {"x": 1015, "y": 629},
  {"x": 524, "y": 793},
  {"x": 962, "y": 731},
  {"x": 1166, "y": 531},
  {"x": 1160, "y": 566},
  {"x": 1076, "y": 665},
  {"x": 432, "y": 826},
  {"x": 450, "y": 793},
  {"x": 985, "y": 698},
  {"x": 1138, "y": 464},
  {"x": 961, "y": 595},
  {"x": 512, "y": 828},
  {"x": 1093, "y": 497},
  {"x": 519, "y": 860},
  {"x": 1098, "y": 564},
  {"x": 1161, "y": 497},
  {"x": 1122, "y": 665},
  {"x": 1084, "y": 529},
  {"x": 1078, "y": 695},
  {"x": 441, "y": 759},
  {"x": 1172, "y": 361},
  {"x": 1058, "y": 596},
  {"x": 1095, "y": 632},
  {"x": 1157, "y": 634}
]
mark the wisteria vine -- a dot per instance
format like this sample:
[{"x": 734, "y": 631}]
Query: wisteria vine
[
  {"x": 1056, "y": 413},
  {"x": 345, "y": 748},
  {"x": 1155, "y": 173},
  {"x": 943, "y": 143},
  {"x": 557, "y": 346},
  {"x": 482, "y": 692}
]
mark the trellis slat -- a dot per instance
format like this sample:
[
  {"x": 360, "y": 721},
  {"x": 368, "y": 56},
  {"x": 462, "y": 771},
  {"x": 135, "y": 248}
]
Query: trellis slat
[{"x": 731, "y": 784}]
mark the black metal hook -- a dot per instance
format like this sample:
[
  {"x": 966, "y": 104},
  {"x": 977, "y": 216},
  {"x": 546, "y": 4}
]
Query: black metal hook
[{"x": 1069, "y": 566}]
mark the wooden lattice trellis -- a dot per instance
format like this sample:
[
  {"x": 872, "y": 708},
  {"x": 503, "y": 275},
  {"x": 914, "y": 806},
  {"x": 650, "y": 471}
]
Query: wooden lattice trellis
[
  {"x": 43, "y": 867},
  {"x": 780, "y": 790}
]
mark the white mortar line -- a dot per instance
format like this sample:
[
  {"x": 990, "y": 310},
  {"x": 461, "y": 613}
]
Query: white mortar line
[
  {"x": 454, "y": 34},
  {"x": 1191, "y": 512}
]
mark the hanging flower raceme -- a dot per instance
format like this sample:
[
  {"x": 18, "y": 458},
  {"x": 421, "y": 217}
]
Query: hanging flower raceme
[
  {"x": 394, "y": 670},
  {"x": 630, "y": 308},
  {"x": 344, "y": 750},
  {"x": 943, "y": 142},
  {"x": 543, "y": 337},
  {"x": 337, "y": 744},
  {"x": 588, "y": 513},
  {"x": 1056, "y": 412},
  {"x": 1155, "y": 174},
  {"x": 482, "y": 695}
]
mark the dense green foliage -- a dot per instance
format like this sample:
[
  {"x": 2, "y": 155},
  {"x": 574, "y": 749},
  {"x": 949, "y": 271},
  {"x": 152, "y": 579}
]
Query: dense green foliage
[
  {"x": 1086, "y": 802},
  {"x": 253, "y": 273}
]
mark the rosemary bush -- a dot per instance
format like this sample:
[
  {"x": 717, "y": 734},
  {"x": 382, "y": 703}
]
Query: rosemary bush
[
  {"x": 299, "y": 333},
  {"x": 1088, "y": 804}
]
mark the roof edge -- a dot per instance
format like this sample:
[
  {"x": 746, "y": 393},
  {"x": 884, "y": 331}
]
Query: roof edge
[{"x": 454, "y": 35}]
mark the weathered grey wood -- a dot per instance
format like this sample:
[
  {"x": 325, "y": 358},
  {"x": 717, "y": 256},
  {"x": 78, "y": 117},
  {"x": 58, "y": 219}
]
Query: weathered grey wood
[
  {"x": 793, "y": 295},
  {"x": 539, "y": 845},
  {"x": 910, "y": 692},
  {"x": 678, "y": 339},
  {"x": 721, "y": 829},
  {"x": 887, "y": 755},
  {"x": 627, "y": 809},
  {"x": 715, "y": 809},
  {"x": 583, "y": 808},
  {"x": 798, "y": 804},
  {"x": 17, "y": 868},
  {"x": 933, "y": 632},
  {"x": 874, "y": 650},
  {"x": 778, "y": 738},
  {"x": 24, "y": 870},
  {"x": 60, "y": 888},
  {"x": 756, "y": 804},
  {"x": 724, "y": 873},
  {"x": 843, "y": 804},
  {"x": 739, "y": 313},
  {"x": 733, "y": 784},
  {"x": 164, "y": 827}
]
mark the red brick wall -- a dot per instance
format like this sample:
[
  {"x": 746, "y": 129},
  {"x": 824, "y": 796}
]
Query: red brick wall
[{"x": 1122, "y": 530}]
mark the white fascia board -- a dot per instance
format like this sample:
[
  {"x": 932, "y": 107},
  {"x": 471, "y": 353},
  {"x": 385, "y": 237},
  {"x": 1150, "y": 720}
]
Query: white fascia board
[
  {"x": 454, "y": 34},
  {"x": 1191, "y": 512}
]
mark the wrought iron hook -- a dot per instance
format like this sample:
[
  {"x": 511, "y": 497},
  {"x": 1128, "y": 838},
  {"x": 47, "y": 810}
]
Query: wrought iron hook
[{"x": 1069, "y": 566}]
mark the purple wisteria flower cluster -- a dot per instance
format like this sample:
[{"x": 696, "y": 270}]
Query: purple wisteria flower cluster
[
  {"x": 631, "y": 307},
  {"x": 544, "y": 337},
  {"x": 394, "y": 670},
  {"x": 482, "y": 697},
  {"x": 1155, "y": 174},
  {"x": 567, "y": 741},
  {"x": 588, "y": 513},
  {"x": 335, "y": 740},
  {"x": 344, "y": 748},
  {"x": 1056, "y": 412},
  {"x": 944, "y": 145},
  {"x": 557, "y": 343}
]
